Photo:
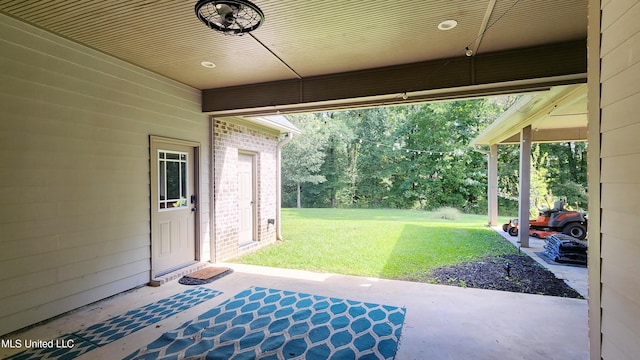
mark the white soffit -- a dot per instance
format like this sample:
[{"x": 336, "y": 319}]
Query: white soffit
[{"x": 559, "y": 114}]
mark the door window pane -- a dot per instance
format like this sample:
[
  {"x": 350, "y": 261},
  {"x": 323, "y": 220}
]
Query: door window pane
[
  {"x": 183, "y": 175},
  {"x": 172, "y": 179},
  {"x": 172, "y": 155}
]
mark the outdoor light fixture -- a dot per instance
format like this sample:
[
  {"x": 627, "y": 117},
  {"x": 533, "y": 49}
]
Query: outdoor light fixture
[
  {"x": 468, "y": 51},
  {"x": 230, "y": 17}
]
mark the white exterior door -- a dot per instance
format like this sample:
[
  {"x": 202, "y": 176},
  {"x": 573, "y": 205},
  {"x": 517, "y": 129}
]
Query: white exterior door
[
  {"x": 173, "y": 206},
  {"x": 246, "y": 198}
]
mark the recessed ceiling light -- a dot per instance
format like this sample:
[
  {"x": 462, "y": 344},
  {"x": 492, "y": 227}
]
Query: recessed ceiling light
[
  {"x": 447, "y": 25},
  {"x": 208, "y": 64}
]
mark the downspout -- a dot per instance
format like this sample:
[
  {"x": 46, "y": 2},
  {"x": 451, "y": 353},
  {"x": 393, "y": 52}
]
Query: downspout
[
  {"x": 281, "y": 143},
  {"x": 213, "y": 236}
]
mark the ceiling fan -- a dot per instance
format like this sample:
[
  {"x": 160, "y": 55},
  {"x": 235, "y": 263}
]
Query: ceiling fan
[{"x": 231, "y": 17}]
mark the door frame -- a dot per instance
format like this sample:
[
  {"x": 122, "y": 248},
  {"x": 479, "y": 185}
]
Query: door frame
[
  {"x": 254, "y": 191},
  {"x": 158, "y": 141}
]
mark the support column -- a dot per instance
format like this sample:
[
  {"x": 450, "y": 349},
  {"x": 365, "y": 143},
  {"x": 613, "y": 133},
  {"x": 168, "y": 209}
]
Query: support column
[
  {"x": 525, "y": 186},
  {"x": 492, "y": 191}
]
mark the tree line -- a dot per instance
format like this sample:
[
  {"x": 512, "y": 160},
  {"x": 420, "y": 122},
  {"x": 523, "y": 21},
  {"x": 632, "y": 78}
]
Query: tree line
[{"x": 417, "y": 157}]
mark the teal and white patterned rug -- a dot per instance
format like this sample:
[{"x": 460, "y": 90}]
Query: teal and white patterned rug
[
  {"x": 119, "y": 326},
  {"x": 262, "y": 323}
]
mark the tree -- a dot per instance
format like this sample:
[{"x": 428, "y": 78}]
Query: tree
[
  {"x": 440, "y": 169},
  {"x": 338, "y": 135},
  {"x": 417, "y": 156},
  {"x": 372, "y": 162},
  {"x": 558, "y": 170},
  {"x": 303, "y": 157},
  {"x": 567, "y": 171}
]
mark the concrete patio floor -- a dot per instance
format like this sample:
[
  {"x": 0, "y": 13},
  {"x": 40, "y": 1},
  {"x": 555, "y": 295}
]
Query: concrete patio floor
[{"x": 442, "y": 322}]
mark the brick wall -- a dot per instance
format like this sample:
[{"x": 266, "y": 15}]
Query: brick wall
[{"x": 230, "y": 139}]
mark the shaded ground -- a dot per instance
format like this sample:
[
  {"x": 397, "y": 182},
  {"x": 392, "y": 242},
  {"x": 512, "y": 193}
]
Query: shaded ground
[{"x": 524, "y": 275}]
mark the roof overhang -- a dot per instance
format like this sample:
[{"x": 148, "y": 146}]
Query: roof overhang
[
  {"x": 556, "y": 115},
  {"x": 275, "y": 122}
]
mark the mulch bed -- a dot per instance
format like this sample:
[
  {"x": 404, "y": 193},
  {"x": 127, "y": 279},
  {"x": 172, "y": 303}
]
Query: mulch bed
[{"x": 525, "y": 276}]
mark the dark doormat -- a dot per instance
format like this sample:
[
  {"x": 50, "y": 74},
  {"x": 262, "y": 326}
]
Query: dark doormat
[
  {"x": 205, "y": 275},
  {"x": 550, "y": 261}
]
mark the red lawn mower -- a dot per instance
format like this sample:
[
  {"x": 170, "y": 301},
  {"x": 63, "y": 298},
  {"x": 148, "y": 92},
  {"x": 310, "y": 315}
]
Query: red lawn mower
[{"x": 554, "y": 221}]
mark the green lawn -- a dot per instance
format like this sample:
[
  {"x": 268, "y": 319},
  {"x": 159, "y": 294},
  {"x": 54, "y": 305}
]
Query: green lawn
[{"x": 385, "y": 243}]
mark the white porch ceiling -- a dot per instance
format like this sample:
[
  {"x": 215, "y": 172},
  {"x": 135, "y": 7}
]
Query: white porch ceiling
[{"x": 306, "y": 42}]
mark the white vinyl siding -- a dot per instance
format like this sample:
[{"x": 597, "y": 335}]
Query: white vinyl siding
[
  {"x": 620, "y": 179},
  {"x": 74, "y": 171}
]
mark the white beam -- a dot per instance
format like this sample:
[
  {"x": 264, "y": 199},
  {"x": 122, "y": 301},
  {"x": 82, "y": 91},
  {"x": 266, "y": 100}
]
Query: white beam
[
  {"x": 492, "y": 191},
  {"x": 525, "y": 186}
]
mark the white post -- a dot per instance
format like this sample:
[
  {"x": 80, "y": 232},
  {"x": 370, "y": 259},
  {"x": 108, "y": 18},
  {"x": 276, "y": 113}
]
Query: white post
[
  {"x": 525, "y": 186},
  {"x": 492, "y": 191}
]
